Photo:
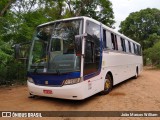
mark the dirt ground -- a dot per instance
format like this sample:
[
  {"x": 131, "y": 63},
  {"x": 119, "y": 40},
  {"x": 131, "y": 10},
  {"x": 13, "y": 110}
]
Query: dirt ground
[{"x": 142, "y": 94}]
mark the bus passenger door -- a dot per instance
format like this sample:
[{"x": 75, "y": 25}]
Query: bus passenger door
[
  {"x": 92, "y": 57},
  {"x": 92, "y": 49},
  {"x": 89, "y": 59}
]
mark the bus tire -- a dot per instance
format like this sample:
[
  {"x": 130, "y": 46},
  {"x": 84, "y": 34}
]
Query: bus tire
[
  {"x": 136, "y": 75},
  {"x": 108, "y": 84}
]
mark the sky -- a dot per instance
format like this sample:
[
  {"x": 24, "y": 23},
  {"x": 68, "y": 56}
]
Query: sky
[{"x": 122, "y": 8}]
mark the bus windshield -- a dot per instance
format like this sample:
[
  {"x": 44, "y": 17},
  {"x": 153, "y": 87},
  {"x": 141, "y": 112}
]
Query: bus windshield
[{"x": 53, "y": 48}]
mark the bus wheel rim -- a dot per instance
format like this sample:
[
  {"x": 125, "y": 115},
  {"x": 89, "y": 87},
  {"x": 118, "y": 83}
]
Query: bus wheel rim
[{"x": 107, "y": 84}]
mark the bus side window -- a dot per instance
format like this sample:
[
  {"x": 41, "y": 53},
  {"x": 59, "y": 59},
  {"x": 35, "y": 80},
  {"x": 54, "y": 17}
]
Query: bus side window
[
  {"x": 134, "y": 46},
  {"x": 119, "y": 43},
  {"x": 109, "y": 42},
  {"x": 112, "y": 38},
  {"x": 114, "y": 41},
  {"x": 116, "y": 44},
  {"x": 123, "y": 45},
  {"x": 138, "y": 50},
  {"x": 129, "y": 44},
  {"x": 104, "y": 39},
  {"x": 132, "y": 49}
]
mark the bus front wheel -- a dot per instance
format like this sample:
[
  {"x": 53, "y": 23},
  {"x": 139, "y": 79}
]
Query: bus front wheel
[{"x": 108, "y": 84}]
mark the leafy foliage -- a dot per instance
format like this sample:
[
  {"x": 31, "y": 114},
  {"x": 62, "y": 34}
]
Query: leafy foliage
[
  {"x": 19, "y": 19},
  {"x": 100, "y": 10},
  {"x": 5, "y": 5},
  {"x": 153, "y": 54}
]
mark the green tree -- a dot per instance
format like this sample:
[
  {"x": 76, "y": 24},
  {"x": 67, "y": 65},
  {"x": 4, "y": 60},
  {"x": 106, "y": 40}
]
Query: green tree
[
  {"x": 152, "y": 40},
  {"x": 140, "y": 25},
  {"x": 153, "y": 54},
  {"x": 100, "y": 10}
]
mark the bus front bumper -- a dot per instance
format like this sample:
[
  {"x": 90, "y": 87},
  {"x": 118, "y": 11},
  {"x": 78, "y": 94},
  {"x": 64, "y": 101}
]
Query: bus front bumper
[{"x": 74, "y": 92}]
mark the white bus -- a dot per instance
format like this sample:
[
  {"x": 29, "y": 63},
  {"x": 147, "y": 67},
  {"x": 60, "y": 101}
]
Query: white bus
[{"x": 77, "y": 57}]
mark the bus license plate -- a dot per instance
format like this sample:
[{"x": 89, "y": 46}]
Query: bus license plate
[{"x": 47, "y": 91}]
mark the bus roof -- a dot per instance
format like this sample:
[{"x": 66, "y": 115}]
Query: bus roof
[
  {"x": 72, "y": 18},
  {"x": 95, "y": 21}
]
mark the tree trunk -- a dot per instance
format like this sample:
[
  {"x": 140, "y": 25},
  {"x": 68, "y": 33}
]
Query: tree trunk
[{"x": 6, "y": 8}]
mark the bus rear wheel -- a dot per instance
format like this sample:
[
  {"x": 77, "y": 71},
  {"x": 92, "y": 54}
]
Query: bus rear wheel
[
  {"x": 136, "y": 75},
  {"x": 108, "y": 84}
]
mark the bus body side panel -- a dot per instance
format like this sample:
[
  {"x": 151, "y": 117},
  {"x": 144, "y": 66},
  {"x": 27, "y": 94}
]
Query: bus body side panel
[
  {"x": 121, "y": 65},
  {"x": 95, "y": 84}
]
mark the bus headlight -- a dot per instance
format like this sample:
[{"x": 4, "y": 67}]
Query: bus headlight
[
  {"x": 30, "y": 80},
  {"x": 72, "y": 81}
]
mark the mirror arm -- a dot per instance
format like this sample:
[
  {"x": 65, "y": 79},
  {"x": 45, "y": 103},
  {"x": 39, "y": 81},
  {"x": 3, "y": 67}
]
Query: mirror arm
[{"x": 82, "y": 35}]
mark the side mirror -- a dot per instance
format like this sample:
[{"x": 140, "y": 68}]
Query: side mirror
[
  {"x": 21, "y": 50},
  {"x": 78, "y": 44}
]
